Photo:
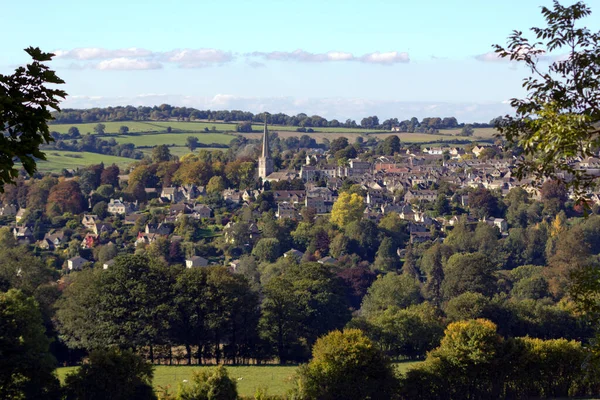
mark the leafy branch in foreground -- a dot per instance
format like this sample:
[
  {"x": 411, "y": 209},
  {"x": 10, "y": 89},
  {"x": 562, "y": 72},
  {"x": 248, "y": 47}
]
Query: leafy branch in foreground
[
  {"x": 558, "y": 119},
  {"x": 25, "y": 104}
]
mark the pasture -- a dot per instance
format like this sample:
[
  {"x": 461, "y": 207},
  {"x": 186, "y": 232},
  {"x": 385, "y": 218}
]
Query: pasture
[
  {"x": 173, "y": 139},
  {"x": 59, "y": 160},
  {"x": 278, "y": 379}
]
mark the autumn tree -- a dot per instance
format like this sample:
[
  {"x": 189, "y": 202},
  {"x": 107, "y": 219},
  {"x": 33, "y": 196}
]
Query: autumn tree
[
  {"x": 346, "y": 209},
  {"x": 65, "y": 197}
]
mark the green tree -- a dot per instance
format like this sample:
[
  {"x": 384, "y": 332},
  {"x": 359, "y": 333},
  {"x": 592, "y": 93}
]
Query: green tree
[
  {"x": 347, "y": 365},
  {"x": 467, "y": 130},
  {"x": 214, "y": 384},
  {"x": 161, "y": 153},
  {"x": 192, "y": 143},
  {"x": 127, "y": 302},
  {"x": 387, "y": 259},
  {"x": 391, "y": 290},
  {"x": 468, "y": 273},
  {"x": 111, "y": 374},
  {"x": 99, "y": 129},
  {"x": 25, "y": 104},
  {"x": 561, "y": 105},
  {"x": 267, "y": 249},
  {"x": 303, "y": 303},
  {"x": 26, "y": 365},
  {"x": 123, "y": 130},
  {"x": 73, "y": 132}
]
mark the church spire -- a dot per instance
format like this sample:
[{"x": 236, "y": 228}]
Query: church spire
[
  {"x": 265, "y": 162},
  {"x": 265, "y": 143}
]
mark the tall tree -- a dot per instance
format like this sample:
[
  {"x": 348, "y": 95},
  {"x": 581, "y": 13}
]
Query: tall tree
[
  {"x": 562, "y": 104},
  {"x": 25, "y": 104},
  {"x": 26, "y": 365}
]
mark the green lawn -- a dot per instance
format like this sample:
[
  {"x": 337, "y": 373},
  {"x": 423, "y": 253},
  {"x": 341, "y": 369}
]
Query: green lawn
[
  {"x": 277, "y": 379},
  {"x": 58, "y": 160}
]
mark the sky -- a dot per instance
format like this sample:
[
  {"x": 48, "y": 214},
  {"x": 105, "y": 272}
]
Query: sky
[{"x": 337, "y": 59}]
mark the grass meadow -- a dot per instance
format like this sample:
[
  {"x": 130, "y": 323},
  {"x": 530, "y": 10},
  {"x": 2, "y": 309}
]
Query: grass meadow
[
  {"x": 173, "y": 139},
  {"x": 59, "y": 160},
  {"x": 278, "y": 379}
]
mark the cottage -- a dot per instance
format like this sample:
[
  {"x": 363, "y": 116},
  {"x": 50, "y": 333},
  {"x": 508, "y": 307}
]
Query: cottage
[
  {"x": 286, "y": 210},
  {"x": 119, "y": 207},
  {"x": 196, "y": 261},
  {"x": 76, "y": 263},
  {"x": 8, "y": 211},
  {"x": 90, "y": 221},
  {"x": 20, "y": 214}
]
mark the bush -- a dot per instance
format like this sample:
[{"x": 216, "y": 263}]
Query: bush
[
  {"x": 346, "y": 365},
  {"x": 474, "y": 362},
  {"x": 111, "y": 374},
  {"x": 213, "y": 384}
]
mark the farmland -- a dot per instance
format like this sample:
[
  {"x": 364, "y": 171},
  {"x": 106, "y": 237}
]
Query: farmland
[
  {"x": 173, "y": 139},
  {"x": 59, "y": 160},
  {"x": 276, "y": 378}
]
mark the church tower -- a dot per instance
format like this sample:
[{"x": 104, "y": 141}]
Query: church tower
[{"x": 265, "y": 162}]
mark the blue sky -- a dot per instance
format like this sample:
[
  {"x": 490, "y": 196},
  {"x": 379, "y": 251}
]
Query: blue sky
[{"x": 338, "y": 59}]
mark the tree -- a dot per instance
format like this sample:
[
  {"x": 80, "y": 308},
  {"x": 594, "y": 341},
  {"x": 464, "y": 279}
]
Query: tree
[
  {"x": 161, "y": 153},
  {"x": 483, "y": 203},
  {"x": 300, "y": 305},
  {"x": 127, "y": 303},
  {"x": 214, "y": 384},
  {"x": 111, "y": 374},
  {"x": 73, "y": 132},
  {"x": 99, "y": 129},
  {"x": 216, "y": 184},
  {"x": 123, "y": 130},
  {"x": 468, "y": 273},
  {"x": 26, "y": 365},
  {"x": 267, "y": 249},
  {"x": 561, "y": 105},
  {"x": 347, "y": 208},
  {"x": 467, "y": 130},
  {"x": 25, "y": 104},
  {"x": 387, "y": 259},
  {"x": 347, "y": 365},
  {"x": 391, "y": 290},
  {"x": 192, "y": 143},
  {"x": 65, "y": 197}
]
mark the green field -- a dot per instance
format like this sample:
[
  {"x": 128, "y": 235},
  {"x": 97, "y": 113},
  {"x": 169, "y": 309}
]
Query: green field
[
  {"x": 277, "y": 379},
  {"x": 59, "y": 160},
  {"x": 177, "y": 139}
]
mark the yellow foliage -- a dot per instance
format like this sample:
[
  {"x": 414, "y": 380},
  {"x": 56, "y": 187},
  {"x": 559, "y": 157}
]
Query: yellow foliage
[{"x": 347, "y": 208}]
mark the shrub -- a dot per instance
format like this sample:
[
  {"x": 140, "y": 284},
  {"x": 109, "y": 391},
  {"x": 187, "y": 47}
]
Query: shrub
[
  {"x": 346, "y": 365},
  {"x": 212, "y": 384}
]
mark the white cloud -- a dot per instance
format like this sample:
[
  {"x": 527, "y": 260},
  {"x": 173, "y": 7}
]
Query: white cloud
[
  {"x": 127, "y": 64},
  {"x": 196, "y": 58},
  {"x": 97, "y": 53},
  {"x": 490, "y": 56},
  {"x": 391, "y": 57},
  {"x": 299, "y": 55}
]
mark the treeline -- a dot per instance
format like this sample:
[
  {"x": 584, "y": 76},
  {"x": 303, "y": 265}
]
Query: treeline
[{"x": 168, "y": 112}]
